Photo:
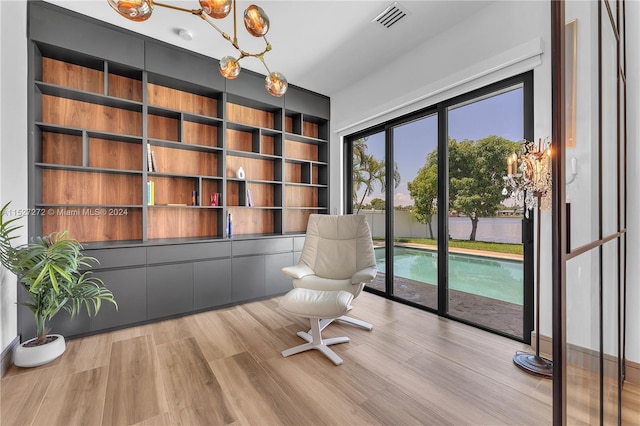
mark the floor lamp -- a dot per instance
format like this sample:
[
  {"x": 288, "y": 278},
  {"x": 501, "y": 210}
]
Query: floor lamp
[{"x": 529, "y": 180}]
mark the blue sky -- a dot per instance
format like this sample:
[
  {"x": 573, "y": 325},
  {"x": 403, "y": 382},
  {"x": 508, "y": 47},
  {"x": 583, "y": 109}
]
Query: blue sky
[{"x": 500, "y": 115}]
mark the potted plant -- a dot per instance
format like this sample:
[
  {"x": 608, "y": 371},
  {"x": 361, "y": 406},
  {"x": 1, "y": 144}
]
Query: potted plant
[{"x": 55, "y": 274}]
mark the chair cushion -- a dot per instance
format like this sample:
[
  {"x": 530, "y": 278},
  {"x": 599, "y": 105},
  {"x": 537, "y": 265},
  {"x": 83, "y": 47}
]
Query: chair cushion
[
  {"x": 336, "y": 247},
  {"x": 309, "y": 303},
  {"x": 315, "y": 282}
]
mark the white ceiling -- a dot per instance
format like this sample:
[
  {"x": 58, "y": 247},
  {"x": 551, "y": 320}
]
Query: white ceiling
[{"x": 321, "y": 45}]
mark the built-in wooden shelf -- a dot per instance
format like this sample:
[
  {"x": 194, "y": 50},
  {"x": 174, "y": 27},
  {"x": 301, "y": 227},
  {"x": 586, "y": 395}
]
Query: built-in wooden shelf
[{"x": 98, "y": 122}]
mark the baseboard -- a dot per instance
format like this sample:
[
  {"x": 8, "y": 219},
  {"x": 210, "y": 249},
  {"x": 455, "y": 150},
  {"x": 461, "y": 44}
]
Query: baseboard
[
  {"x": 632, "y": 373},
  {"x": 588, "y": 359},
  {"x": 6, "y": 357}
]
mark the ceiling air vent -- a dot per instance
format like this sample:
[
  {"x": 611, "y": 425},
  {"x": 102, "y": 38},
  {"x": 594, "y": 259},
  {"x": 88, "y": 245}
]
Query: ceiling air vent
[{"x": 391, "y": 15}]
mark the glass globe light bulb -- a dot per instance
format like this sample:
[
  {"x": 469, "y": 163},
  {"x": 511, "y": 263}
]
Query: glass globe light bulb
[
  {"x": 276, "y": 84},
  {"x": 256, "y": 21},
  {"x": 133, "y": 10},
  {"x": 229, "y": 67},
  {"x": 217, "y": 9}
]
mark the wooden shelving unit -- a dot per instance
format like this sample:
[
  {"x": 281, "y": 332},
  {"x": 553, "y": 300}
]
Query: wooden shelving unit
[{"x": 98, "y": 123}]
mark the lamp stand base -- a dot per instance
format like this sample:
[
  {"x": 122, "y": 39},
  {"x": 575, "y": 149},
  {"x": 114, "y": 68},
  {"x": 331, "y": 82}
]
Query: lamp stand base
[{"x": 533, "y": 364}]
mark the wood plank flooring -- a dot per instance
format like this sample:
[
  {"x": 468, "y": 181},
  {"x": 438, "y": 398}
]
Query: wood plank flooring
[{"x": 225, "y": 367}]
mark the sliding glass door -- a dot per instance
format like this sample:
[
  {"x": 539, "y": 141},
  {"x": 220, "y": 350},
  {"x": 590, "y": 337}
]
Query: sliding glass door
[
  {"x": 431, "y": 186},
  {"x": 485, "y": 256},
  {"x": 415, "y": 207}
]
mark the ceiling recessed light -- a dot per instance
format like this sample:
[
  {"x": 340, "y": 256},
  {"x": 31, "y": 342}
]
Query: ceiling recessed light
[{"x": 185, "y": 34}]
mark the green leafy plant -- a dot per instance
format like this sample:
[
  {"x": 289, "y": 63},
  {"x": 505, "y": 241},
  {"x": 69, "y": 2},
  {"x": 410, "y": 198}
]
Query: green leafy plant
[{"x": 54, "y": 272}]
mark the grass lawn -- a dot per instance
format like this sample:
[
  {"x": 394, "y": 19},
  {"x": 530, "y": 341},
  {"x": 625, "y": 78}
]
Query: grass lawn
[{"x": 466, "y": 244}]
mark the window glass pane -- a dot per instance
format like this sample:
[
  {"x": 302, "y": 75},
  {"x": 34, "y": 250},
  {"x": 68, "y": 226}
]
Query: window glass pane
[
  {"x": 583, "y": 338},
  {"x": 369, "y": 180},
  {"x": 415, "y": 272},
  {"x": 486, "y": 268}
]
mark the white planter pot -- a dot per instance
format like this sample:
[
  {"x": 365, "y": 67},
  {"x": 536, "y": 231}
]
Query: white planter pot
[{"x": 34, "y": 356}]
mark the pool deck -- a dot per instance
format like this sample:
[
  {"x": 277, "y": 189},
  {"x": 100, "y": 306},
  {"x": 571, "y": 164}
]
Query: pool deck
[
  {"x": 495, "y": 314},
  {"x": 494, "y": 254}
]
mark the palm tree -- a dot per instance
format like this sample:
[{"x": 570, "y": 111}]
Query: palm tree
[{"x": 367, "y": 171}]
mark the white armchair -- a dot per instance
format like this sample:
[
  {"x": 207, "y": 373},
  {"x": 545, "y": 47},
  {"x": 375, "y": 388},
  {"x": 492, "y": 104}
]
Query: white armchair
[{"x": 337, "y": 255}]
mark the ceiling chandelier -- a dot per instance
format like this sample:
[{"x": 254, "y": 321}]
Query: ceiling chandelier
[{"x": 255, "y": 19}]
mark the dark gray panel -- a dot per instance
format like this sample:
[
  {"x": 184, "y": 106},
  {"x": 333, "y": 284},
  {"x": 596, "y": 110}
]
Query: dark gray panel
[
  {"x": 169, "y": 290},
  {"x": 211, "y": 283},
  {"x": 118, "y": 257},
  {"x": 265, "y": 246},
  {"x": 276, "y": 281},
  {"x": 304, "y": 101},
  {"x": 250, "y": 86},
  {"x": 298, "y": 243},
  {"x": 248, "y": 278},
  {"x": 53, "y": 25},
  {"x": 183, "y": 65},
  {"x": 187, "y": 252},
  {"x": 129, "y": 288}
]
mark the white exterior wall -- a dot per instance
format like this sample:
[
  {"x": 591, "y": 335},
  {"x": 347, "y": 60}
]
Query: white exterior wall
[{"x": 405, "y": 224}]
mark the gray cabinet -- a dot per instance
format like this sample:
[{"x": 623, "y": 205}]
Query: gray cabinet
[
  {"x": 276, "y": 281},
  {"x": 129, "y": 287},
  {"x": 248, "y": 278},
  {"x": 211, "y": 283},
  {"x": 169, "y": 290}
]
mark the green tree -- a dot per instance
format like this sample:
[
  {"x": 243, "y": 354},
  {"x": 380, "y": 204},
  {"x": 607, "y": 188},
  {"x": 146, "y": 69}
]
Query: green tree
[
  {"x": 377, "y": 204},
  {"x": 367, "y": 172},
  {"x": 475, "y": 180},
  {"x": 475, "y": 176},
  {"x": 423, "y": 189}
]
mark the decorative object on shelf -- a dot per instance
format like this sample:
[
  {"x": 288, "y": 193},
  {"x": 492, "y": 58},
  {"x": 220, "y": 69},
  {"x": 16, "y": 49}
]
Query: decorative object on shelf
[
  {"x": 54, "y": 273},
  {"x": 214, "y": 199},
  {"x": 194, "y": 198},
  {"x": 255, "y": 21},
  {"x": 240, "y": 173},
  {"x": 249, "y": 198},
  {"x": 229, "y": 226},
  {"x": 151, "y": 190},
  {"x": 529, "y": 180}
]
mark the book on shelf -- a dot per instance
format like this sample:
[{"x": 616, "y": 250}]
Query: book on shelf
[
  {"x": 249, "y": 198},
  {"x": 154, "y": 163},
  {"x": 151, "y": 193},
  {"x": 149, "y": 159}
]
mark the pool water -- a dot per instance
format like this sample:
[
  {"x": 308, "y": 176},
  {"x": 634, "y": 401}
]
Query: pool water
[{"x": 499, "y": 279}]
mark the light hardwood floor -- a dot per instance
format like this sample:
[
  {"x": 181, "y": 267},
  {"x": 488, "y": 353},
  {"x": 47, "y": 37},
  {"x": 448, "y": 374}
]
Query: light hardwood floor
[{"x": 225, "y": 367}]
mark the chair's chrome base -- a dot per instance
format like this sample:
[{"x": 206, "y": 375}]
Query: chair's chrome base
[
  {"x": 349, "y": 320},
  {"x": 315, "y": 341}
]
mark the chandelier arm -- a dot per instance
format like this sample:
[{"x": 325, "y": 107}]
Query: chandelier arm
[
  {"x": 227, "y": 37},
  {"x": 261, "y": 57},
  {"x": 208, "y": 20},
  {"x": 178, "y": 8},
  {"x": 235, "y": 26}
]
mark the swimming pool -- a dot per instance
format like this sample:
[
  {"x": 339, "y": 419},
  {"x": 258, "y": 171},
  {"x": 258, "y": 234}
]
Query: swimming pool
[{"x": 499, "y": 279}]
